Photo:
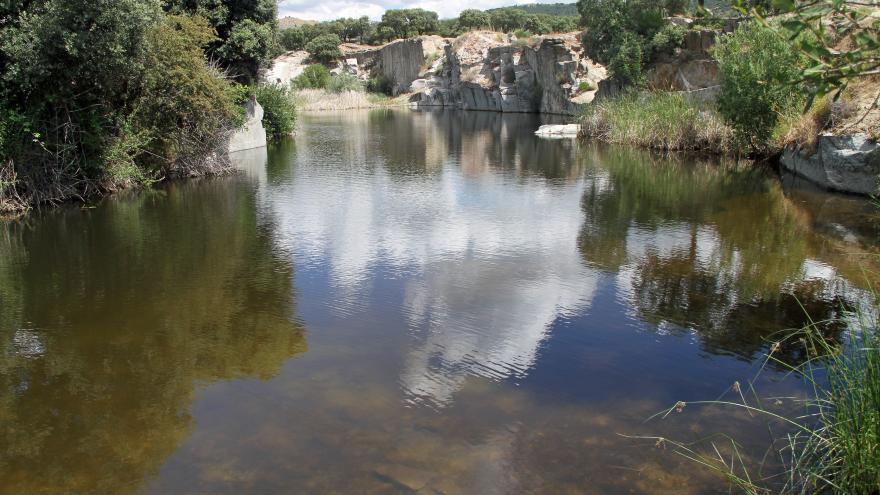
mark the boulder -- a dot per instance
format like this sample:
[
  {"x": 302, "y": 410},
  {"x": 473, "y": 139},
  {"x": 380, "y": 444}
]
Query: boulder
[
  {"x": 849, "y": 163},
  {"x": 559, "y": 131}
]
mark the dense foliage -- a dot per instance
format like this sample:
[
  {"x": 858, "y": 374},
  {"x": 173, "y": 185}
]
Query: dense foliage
[
  {"x": 245, "y": 29},
  {"x": 621, "y": 33},
  {"x": 554, "y": 9},
  {"x": 324, "y": 48},
  {"x": 758, "y": 71},
  {"x": 405, "y": 23},
  {"x": 819, "y": 29},
  {"x": 101, "y": 94},
  {"x": 315, "y": 76},
  {"x": 279, "y": 117}
]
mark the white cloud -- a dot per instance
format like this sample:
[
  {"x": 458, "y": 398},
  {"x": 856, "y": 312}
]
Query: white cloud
[{"x": 334, "y": 9}]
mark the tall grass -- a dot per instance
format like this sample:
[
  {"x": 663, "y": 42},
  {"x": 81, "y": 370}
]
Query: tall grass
[
  {"x": 320, "y": 99},
  {"x": 833, "y": 446},
  {"x": 664, "y": 121}
]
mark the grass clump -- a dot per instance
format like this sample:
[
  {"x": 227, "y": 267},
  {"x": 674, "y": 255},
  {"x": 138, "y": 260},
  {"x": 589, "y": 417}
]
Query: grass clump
[
  {"x": 315, "y": 76},
  {"x": 833, "y": 442},
  {"x": 658, "y": 120},
  {"x": 343, "y": 83}
]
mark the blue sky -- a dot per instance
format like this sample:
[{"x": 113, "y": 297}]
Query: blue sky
[{"x": 332, "y": 9}]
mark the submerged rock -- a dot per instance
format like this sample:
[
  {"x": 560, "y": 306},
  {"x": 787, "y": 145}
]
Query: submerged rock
[
  {"x": 559, "y": 131},
  {"x": 849, "y": 163}
]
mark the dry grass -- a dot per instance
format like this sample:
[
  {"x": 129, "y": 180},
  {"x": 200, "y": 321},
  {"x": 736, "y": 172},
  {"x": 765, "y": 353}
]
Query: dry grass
[
  {"x": 802, "y": 129},
  {"x": 319, "y": 99}
]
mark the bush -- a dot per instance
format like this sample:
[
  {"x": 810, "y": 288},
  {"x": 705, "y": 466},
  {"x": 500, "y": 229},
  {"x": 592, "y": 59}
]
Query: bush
[
  {"x": 324, "y": 48},
  {"x": 657, "y": 120},
  {"x": 522, "y": 34},
  {"x": 185, "y": 107},
  {"x": 279, "y": 116},
  {"x": 344, "y": 82},
  {"x": 380, "y": 85},
  {"x": 315, "y": 76},
  {"x": 668, "y": 39},
  {"x": 627, "y": 63},
  {"x": 758, "y": 69}
]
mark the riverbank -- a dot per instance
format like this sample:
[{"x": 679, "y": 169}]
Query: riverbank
[{"x": 310, "y": 100}]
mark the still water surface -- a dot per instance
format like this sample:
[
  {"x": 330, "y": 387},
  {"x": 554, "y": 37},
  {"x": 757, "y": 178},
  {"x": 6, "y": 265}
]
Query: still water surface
[{"x": 400, "y": 302}]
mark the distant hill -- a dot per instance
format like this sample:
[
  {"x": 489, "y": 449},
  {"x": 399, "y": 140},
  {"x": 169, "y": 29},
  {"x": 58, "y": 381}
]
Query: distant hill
[
  {"x": 563, "y": 9},
  {"x": 289, "y": 22}
]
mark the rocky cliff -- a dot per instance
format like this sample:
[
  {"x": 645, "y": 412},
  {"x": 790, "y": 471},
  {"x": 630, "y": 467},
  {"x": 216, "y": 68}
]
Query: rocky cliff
[{"x": 491, "y": 71}]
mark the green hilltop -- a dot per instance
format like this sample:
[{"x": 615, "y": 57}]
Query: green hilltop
[{"x": 563, "y": 9}]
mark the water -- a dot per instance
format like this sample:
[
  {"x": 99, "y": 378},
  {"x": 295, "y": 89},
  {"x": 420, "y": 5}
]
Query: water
[{"x": 401, "y": 302}]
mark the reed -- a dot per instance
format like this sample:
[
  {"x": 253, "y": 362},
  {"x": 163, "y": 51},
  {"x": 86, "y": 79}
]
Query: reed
[
  {"x": 660, "y": 120},
  {"x": 319, "y": 100},
  {"x": 833, "y": 444}
]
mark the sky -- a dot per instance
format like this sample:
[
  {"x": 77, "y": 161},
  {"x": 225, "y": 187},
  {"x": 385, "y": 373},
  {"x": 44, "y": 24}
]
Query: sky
[{"x": 324, "y": 10}]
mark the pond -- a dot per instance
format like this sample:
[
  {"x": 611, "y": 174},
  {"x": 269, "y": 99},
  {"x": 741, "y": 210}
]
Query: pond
[{"x": 401, "y": 302}]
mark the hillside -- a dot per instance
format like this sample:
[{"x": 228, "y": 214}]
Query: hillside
[
  {"x": 563, "y": 9},
  {"x": 290, "y": 22}
]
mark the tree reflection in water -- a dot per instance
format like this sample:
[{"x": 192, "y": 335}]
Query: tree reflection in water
[
  {"x": 716, "y": 250},
  {"x": 95, "y": 388}
]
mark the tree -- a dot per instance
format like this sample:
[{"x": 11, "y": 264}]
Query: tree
[
  {"x": 474, "y": 19},
  {"x": 509, "y": 19},
  {"x": 68, "y": 68},
  {"x": 537, "y": 23},
  {"x": 325, "y": 48},
  {"x": 292, "y": 39},
  {"x": 242, "y": 49},
  {"x": 614, "y": 30},
  {"x": 247, "y": 49},
  {"x": 405, "y": 23},
  {"x": 183, "y": 106}
]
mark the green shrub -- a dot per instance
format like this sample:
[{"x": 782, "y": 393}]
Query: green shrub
[
  {"x": 758, "y": 70},
  {"x": 315, "y": 76},
  {"x": 344, "y": 82},
  {"x": 657, "y": 120},
  {"x": 668, "y": 39},
  {"x": 185, "y": 107},
  {"x": 324, "y": 48},
  {"x": 381, "y": 85},
  {"x": 279, "y": 117},
  {"x": 627, "y": 63},
  {"x": 585, "y": 86},
  {"x": 522, "y": 34}
]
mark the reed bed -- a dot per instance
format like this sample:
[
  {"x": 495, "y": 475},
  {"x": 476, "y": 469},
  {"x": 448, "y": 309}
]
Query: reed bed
[
  {"x": 659, "y": 120},
  {"x": 320, "y": 99}
]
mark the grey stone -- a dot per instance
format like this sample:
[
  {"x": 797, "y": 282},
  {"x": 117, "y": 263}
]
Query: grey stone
[
  {"x": 252, "y": 134},
  {"x": 559, "y": 130},
  {"x": 848, "y": 163}
]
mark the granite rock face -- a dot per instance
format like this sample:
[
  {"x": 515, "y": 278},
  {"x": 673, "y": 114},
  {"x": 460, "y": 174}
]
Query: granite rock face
[
  {"x": 849, "y": 163},
  {"x": 490, "y": 71},
  {"x": 400, "y": 62},
  {"x": 252, "y": 135}
]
